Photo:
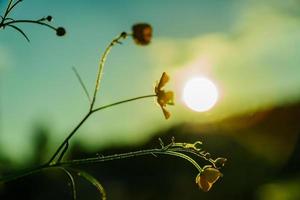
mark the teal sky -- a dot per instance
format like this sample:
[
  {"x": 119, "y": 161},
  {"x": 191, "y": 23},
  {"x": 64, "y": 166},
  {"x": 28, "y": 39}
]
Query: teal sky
[{"x": 249, "y": 48}]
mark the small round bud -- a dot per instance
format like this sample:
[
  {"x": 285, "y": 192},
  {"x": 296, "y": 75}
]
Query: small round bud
[
  {"x": 49, "y": 18},
  {"x": 207, "y": 156},
  {"x": 142, "y": 33},
  {"x": 60, "y": 31},
  {"x": 123, "y": 35}
]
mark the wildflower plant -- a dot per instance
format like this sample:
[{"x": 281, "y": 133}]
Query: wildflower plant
[{"x": 191, "y": 152}]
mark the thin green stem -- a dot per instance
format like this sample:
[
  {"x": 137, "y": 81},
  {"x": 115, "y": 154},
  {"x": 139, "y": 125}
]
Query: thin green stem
[
  {"x": 130, "y": 154},
  {"x": 7, "y": 9},
  {"x": 14, "y": 5},
  {"x": 181, "y": 155},
  {"x": 99, "y": 159},
  {"x": 101, "y": 66},
  {"x": 123, "y": 101},
  {"x": 68, "y": 137}
]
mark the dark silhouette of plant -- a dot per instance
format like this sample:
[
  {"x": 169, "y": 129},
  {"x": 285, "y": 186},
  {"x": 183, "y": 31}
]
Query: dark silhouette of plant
[{"x": 7, "y": 21}]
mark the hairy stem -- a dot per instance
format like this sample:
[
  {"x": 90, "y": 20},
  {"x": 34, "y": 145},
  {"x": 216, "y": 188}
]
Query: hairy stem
[
  {"x": 99, "y": 159},
  {"x": 101, "y": 66},
  {"x": 131, "y": 154}
]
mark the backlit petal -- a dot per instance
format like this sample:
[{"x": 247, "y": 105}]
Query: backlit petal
[{"x": 163, "y": 80}]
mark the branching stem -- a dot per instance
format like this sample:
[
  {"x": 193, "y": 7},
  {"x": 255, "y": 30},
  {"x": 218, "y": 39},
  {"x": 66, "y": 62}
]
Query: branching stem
[
  {"x": 63, "y": 147},
  {"x": 27, "y": 21},
  {"x": 66, "y": 140},
  {"x": 101, "y": 65}
]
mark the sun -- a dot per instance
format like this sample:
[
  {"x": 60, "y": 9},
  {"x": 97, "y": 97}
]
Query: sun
[{"x": 200, "y": 94}]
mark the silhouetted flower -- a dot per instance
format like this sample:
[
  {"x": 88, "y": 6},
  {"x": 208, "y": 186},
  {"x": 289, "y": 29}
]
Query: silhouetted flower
[
  {"x": 207, "y": 177},
  {"x": 60, "y": 31},
  {"x": 164, "y": 98},
  {"x": 142, "y": 33}
]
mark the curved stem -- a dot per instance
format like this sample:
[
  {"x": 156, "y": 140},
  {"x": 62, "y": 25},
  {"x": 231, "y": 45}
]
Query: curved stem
[
  {"x": 181, "y": 155},
  {"x": 101, "y": 65},
  {"x": 28, "y": 21},
  {"x": 99, "y": 159},
  {"x": 73, "y": 186},
  {"x": 131, "y": 154},
  {"x": 198, "y": 154}
]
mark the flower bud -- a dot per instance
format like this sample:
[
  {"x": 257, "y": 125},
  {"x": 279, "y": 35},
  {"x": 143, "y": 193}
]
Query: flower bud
[
  {"x": 142, "y": 33},
  {"x": 207, "y": 178},
  {"x": 49, "y": 18},
  {"x": 60, "y": 31}
]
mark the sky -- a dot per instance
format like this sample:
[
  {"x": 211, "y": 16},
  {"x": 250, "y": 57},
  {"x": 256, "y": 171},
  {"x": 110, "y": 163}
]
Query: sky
[{"x": 248, "y": 48}]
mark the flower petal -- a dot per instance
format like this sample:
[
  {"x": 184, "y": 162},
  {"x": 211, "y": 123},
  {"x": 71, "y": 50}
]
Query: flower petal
[
  {"x": 164, "y": 98},
  {"x": 169, "y": 97},
  {"x": 202, "y": 183},
  {"x": 163, "y": 80},
  {"x": 167, "y": 114},
  {"x": 211, "y": 174}
]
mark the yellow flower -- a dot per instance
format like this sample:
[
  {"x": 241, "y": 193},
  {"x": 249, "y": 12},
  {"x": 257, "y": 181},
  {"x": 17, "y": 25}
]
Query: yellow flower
[
  {"x": 142, "y": 33},
  {"x": 164, "y": 98},
  {"x": 207, "y": 177}
]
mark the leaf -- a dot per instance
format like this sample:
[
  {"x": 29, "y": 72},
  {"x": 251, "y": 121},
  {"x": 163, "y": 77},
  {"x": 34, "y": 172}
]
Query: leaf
[
  {"x": 20, "y": 31},
  {"x": 93, "y": 181}
]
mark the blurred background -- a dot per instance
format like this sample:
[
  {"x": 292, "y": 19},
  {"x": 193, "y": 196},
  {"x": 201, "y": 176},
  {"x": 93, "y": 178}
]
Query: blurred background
[{"x": 248, "y": 49}]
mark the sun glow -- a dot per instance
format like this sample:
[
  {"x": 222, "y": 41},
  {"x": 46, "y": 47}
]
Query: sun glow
[{"x": 200, "y": 94}]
